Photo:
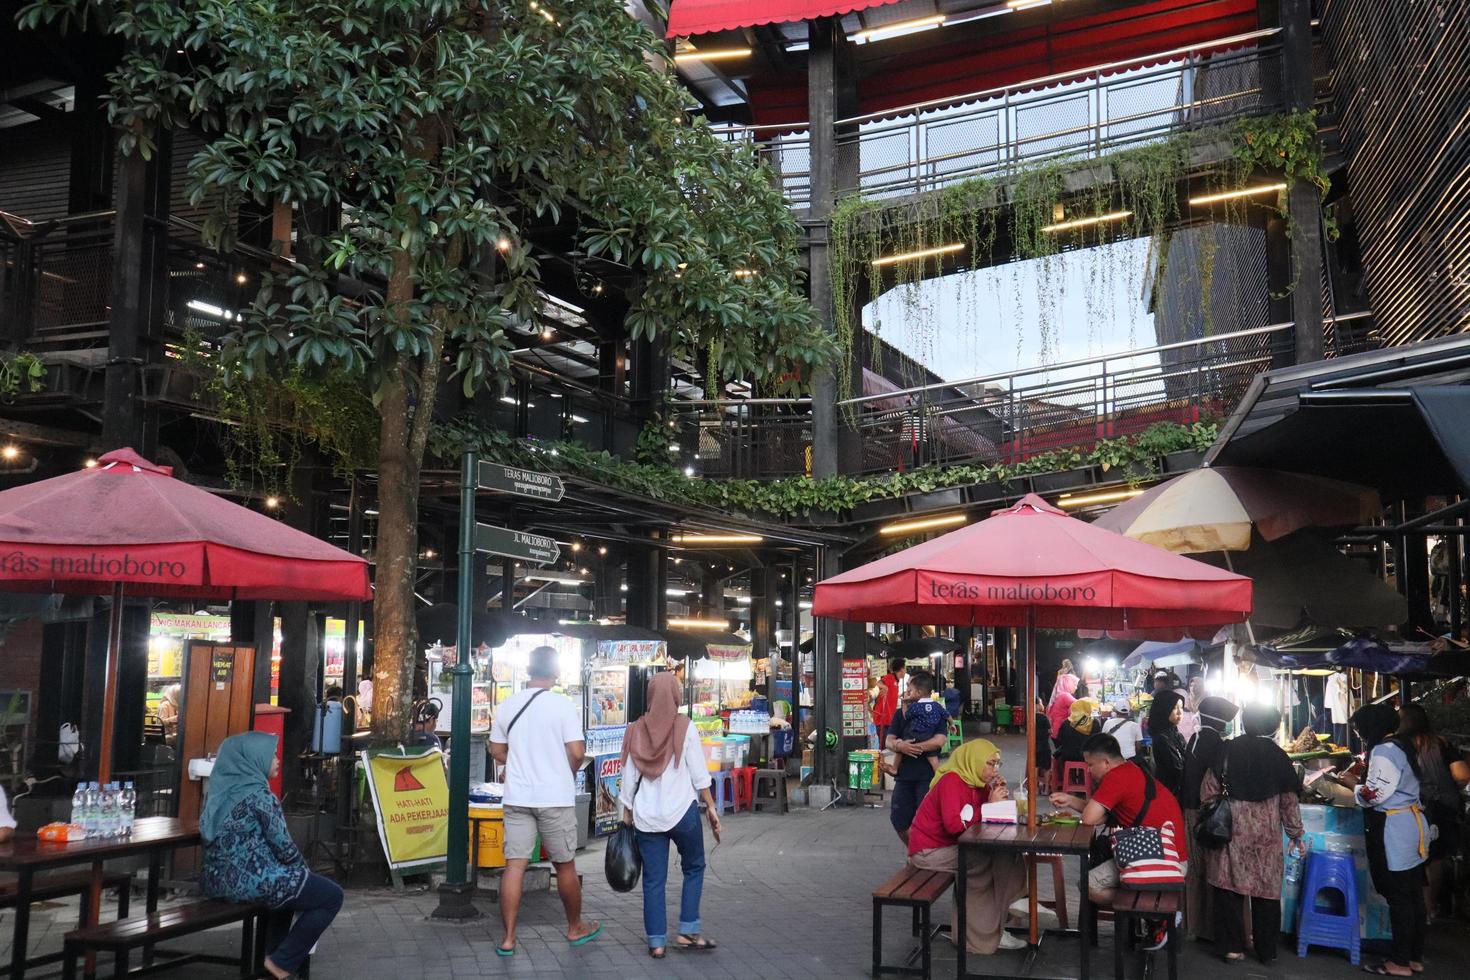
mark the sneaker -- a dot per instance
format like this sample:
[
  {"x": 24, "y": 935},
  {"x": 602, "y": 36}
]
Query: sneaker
[
  {"x": 1045, "y": 918},
  {"x": 1010, "y": 941},
  {"x": 1160, "y": 937}
]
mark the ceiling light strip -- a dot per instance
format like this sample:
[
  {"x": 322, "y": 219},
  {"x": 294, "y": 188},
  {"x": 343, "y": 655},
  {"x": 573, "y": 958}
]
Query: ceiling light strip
[
  {"x": 1096, "y": 219},
  {"x": 924, "y": 524},
  {"x": 1232, "y": 195},
  {"x": 922, "y": 253}
]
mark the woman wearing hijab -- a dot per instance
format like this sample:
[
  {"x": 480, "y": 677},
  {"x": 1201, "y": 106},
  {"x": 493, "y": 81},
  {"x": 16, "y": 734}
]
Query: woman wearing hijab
[
  {"x": 1169, "y": 750},
  {"x": 970, "y": 778},
  {"x": 664, "y": 775},
  {"x": 249, "y": 855},
  {"x": 1078, "y": 727},
  {"x": 1204, "y": 752},
  {"x": 1062, "y": 696},
  {"x": 1263, "y": 788},
  {"x": 1396, "y": 833}
]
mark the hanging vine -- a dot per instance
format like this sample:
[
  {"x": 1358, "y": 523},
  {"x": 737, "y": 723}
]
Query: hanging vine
[{"x": 998, "y": 221}]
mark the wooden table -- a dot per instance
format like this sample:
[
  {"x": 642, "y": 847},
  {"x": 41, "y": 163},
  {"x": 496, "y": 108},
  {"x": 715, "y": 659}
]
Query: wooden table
[
  {"x": 153, "y": 836},
  {"x": 1015, "y": 839}
]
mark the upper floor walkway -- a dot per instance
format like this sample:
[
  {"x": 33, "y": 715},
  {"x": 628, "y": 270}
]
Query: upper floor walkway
[{"x": 998, "y": 132}]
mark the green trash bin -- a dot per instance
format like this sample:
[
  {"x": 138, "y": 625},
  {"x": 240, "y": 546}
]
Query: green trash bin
[
  {"x": 860, "y": 772},
  {"x": 1003, "y": 715}
]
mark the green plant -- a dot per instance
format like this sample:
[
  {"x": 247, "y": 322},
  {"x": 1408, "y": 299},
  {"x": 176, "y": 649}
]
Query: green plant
[
  {"x": 802, "y": 496},
  {"x": 20, "y": 369}
]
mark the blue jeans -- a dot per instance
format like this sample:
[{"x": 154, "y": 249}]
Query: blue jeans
[
  {"x": 688, "y": 837},
  {"x": 907, "y": 795},
  {"x": 317, "y": 905}
]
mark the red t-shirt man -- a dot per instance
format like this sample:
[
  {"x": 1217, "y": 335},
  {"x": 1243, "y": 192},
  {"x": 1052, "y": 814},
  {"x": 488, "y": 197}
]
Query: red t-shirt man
[
  {"x": 1121, "y": 793},
  {"x": 887, "y": 703}
]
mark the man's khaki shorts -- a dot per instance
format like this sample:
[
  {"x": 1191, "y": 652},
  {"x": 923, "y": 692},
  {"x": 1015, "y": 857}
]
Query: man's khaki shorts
[
  {"x": 1104, "y": 877},
  {"x": 556, "y": 826}
]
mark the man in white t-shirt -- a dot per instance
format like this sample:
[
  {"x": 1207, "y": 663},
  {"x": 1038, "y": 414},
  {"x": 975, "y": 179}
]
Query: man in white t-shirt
[
  {"x": 537, "y": 736},
  {"x": 1122, "y": 727}
]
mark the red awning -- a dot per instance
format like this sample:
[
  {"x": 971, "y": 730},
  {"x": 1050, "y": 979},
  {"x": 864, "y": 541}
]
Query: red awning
[
  {"x": 953, "y": 70},
  {"x": 688, "y": 17}
]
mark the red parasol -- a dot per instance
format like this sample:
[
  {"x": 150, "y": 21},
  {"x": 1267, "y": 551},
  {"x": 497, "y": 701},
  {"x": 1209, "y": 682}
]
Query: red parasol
[
  {"x": 1032, "y": 565},
  {"x": 127, "y": 523}
]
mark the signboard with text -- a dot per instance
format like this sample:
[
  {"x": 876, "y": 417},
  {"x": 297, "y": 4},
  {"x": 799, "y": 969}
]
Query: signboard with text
[
  {"x": 854, "y": 698},
  {"x": 411, "y": 800},
  {"x": 522, "y": 483},
  {"x": 535, "y": 548}
]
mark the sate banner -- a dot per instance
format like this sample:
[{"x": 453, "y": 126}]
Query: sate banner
[{"x": 411, "y": 798}]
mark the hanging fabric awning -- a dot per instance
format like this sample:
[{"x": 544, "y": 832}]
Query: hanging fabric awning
[
  {"x": 688, "y": 17},
  {"x": 1070, "y": 44}
]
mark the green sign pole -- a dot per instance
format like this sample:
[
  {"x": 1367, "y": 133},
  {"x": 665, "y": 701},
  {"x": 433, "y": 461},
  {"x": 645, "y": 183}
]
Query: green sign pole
[{"x": 455, "y": 895}]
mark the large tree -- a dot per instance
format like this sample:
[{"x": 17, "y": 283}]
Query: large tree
[{"x": 440, "y": 131}]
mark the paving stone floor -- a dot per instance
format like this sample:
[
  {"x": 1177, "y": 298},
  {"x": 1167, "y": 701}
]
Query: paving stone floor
[{"x": 785, "y": 896}]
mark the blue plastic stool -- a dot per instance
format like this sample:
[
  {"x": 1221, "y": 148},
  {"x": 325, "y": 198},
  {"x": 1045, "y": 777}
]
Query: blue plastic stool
[
  {"x": 723, "y": 788},
  {"x": 1315, "y": 927}
]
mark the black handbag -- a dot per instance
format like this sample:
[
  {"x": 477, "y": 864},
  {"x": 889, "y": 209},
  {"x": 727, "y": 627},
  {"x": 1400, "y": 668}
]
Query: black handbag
[
  {"x": 622, "y": 862},
  {"x": 1215, "y": 825}
]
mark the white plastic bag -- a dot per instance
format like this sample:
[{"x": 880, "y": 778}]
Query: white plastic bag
[{"x": 69, "y": 744}]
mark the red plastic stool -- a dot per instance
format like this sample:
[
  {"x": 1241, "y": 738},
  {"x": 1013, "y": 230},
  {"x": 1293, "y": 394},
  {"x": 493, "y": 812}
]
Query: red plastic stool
[
  {"x": 744, "y": 779},
  {"x": 1076, "y": 779}
]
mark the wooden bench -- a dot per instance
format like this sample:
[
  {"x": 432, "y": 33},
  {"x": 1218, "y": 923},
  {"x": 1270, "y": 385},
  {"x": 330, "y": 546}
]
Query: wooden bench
[
  {"x": 916, "y": 890},
  {"x": 125, "y": 935},
  {"x": 1130, "y": 904}
]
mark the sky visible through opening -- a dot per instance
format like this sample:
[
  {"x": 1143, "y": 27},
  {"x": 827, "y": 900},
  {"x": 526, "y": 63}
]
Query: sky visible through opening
[{"x": 990, "y": 321}]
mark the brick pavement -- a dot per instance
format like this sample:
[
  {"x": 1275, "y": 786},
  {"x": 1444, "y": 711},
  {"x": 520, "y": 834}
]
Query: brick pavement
[{"x": 786, "y": 896}]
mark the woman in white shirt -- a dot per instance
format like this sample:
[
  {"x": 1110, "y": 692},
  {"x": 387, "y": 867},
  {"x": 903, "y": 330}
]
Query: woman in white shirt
[{"x": 664, "y": 775}]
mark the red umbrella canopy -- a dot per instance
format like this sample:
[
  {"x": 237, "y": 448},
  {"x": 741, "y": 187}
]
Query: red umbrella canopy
[
  {"x": 1034, "y": 557},
  {"x": 129, "y": 521}
]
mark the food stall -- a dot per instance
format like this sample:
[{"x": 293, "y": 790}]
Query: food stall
[{"x": 616, "y": 680}]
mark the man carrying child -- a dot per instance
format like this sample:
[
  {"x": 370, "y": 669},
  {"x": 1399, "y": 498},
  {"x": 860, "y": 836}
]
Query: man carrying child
[{"x": 917, "y": 734}]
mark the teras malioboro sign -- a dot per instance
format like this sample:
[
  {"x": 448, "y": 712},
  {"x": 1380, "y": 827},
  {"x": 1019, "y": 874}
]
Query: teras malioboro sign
[{"x": 522, "y": 483}]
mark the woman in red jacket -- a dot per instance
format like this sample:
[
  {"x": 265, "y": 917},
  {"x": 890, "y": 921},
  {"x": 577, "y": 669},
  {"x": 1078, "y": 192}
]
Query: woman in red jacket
[{"x": 969, "y": 779}]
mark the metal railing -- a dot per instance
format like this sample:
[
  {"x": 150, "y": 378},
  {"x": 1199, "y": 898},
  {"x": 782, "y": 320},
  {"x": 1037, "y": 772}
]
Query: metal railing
[
  {"x": 998, "y": 418},
  {"x": 1081, "y": 114}
]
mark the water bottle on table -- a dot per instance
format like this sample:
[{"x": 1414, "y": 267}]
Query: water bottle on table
[{"x": 129, "y": 808}]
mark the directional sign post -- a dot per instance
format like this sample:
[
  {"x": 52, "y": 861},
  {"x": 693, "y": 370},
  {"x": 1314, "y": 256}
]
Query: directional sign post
[
  {"x": 534, "y": 548},
  {"x": 522, "y": 483}
]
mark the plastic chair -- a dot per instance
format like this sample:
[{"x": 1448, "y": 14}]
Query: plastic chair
[
  {"x": 744, "y": 779},
  {"x": 723, "y": 787},
  {"x": 1329, "y": 870},
  {"x": 955, "y": 736},
  {"x": 1076, "y": 780},
  {"x": 770, "y": 791}
]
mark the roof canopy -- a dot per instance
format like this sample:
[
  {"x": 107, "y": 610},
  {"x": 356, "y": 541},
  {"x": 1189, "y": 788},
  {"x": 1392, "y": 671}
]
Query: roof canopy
[{"x": 708, "y": 16}]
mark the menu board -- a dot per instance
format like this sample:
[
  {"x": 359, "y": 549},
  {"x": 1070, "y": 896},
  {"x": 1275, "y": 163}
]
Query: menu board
[{"x": 854, "y": 698}]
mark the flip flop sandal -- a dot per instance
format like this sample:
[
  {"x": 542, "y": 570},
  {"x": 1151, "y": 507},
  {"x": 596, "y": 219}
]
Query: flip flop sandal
[
  {"x": 701, "y": 945},
  {"x": 658, "y": 953},
  {"x": 1382, "y": 970},
  {"x": 502, "y": 951},
  {"x": 584, "y": 940}
]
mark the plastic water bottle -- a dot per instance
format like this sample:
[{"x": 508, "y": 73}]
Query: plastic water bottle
[
  {"x": 1293, "y": 871},
  {"x": 107, "y": 822},
  {"x": 90, "y": 808},
  {"x": 79, "y": 804},
  {"x": 129, "y": 807}
]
